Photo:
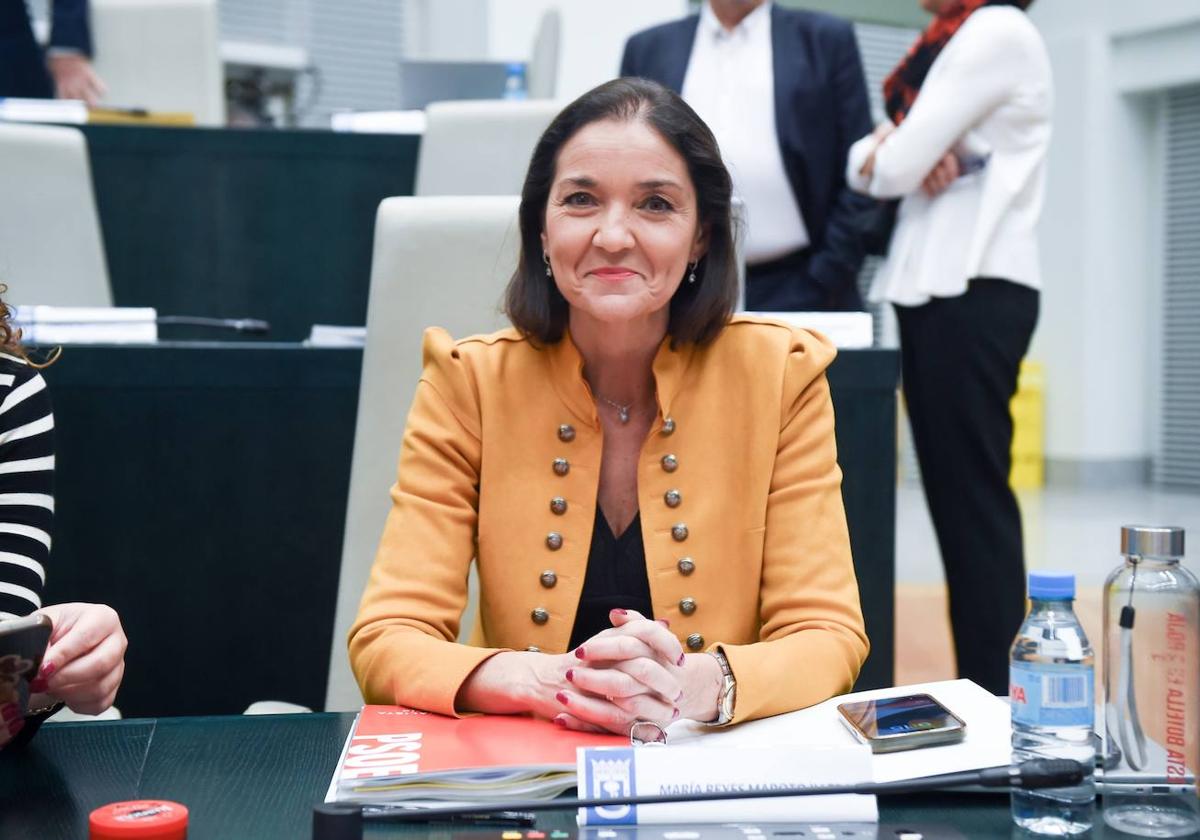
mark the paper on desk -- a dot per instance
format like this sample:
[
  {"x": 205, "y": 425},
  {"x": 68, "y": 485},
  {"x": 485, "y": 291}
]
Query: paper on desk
[
  {"x": 622, "y": 772},
  {"x": 847, "y": 330},
  {"x": 987, "y": 742},
  {"x": 87, "y": 324}
]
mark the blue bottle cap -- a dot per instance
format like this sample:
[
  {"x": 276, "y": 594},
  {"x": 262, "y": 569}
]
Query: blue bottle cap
[{"x": 1051, "y": 585}]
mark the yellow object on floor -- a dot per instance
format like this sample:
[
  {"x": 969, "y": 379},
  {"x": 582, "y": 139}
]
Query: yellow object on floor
[{"x": 1028, "y": 412}]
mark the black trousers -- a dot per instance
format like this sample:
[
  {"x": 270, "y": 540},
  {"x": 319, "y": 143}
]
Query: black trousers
[
  {"x": 959, "y": 360},
  {"x": 784, "y": 285}
]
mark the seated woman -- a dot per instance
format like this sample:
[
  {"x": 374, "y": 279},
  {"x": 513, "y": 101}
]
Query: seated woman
[
  {"x": 83, "y": 665},
  {"x": 648, "y": 486}
]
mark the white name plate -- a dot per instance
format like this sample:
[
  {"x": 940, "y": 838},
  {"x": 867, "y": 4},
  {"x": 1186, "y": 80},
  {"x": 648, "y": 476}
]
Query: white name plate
[{"x": 622, "y": 772}]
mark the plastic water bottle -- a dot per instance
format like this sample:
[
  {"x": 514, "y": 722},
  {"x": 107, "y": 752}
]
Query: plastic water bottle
[
  {"x": 514, "y": 81},
  {"x": 1051, "y": 676},
  {"x": 1151, "y": 687}
]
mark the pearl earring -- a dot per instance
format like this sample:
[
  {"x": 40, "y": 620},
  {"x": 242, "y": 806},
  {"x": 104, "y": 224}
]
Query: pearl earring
[
  {"x": 692, "y": 272},
  {"x": 546, "y": 260}
]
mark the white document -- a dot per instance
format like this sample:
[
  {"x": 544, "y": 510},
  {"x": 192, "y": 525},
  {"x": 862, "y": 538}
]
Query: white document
[
  {"x": 73, "y": 111},
  {"x": 848, "y": 330},
  {"x": 622, "y": 772},
  {"x": 87, "y": 324},
  {"x": 379, "y": 122},
  {"x": 329, "y": 335},
  {"x": 988, "y": 741}
]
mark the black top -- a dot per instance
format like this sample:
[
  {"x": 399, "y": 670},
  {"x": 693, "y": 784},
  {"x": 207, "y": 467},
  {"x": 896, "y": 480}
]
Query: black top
[{"x": 616, "y": 577}]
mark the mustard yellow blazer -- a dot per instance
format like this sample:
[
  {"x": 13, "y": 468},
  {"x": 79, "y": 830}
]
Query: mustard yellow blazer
[{"x": 740, "y": 498}]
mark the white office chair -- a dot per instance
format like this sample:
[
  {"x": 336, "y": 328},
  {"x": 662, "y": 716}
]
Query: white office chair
[
  {"x": 161, "y": 55},
  {"x": 51, "y": 251},
  {"x": 437, "y": 262},
  {"x": 480, "y": 147}
]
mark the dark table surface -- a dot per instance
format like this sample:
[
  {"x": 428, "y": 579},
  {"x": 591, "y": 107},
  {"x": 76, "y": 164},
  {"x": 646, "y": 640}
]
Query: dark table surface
[
  {"x": 233, "y": 223},
  {"x": 258, "y": 778}
]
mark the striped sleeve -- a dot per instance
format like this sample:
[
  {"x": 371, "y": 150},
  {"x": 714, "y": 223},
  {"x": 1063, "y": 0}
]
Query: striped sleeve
[{"x": 26, "y": 486}]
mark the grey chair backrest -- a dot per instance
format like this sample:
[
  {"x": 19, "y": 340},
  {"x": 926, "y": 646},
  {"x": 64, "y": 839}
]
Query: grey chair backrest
[
  {"x": 441, "y": 261},
  {"x": 542, "y": 74},
  {"x": 480, "y": 147},
  {"x": 51, "y": 251}
]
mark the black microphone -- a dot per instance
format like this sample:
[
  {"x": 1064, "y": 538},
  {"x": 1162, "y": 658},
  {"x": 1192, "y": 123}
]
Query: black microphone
[
  {"x": 1035, "y": 773},
  {"x": 250, "y": 326}
]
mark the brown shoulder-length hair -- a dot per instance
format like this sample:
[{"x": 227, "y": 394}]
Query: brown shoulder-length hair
[
  {"x": 10, "y": 337},
  {"x": 698, "y": 311}
]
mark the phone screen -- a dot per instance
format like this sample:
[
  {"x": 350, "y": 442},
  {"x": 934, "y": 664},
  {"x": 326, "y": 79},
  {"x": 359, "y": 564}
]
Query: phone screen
[{"x": 899, "y": 715}]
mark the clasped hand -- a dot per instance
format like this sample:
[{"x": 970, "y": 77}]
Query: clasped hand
[{"x": 630, "y": 672}]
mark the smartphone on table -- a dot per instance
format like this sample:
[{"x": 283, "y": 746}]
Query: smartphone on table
[
  {"x": 891, "y": 724},
  {"x": 23, "y": 641}
]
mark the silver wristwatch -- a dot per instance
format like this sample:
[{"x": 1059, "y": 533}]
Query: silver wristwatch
[{"x": 728, "y": 690}]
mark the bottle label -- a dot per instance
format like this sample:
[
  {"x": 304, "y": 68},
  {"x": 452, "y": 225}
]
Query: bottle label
[{"x": 1051, "y": 695}]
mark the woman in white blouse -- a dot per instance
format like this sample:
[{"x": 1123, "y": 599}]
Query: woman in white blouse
[{"x": 965, "y": 152}]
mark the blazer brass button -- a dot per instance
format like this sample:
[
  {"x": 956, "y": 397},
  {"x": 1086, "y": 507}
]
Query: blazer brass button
[
  {"x": 672, "y": 498},
  {"x": 554, "y": 541},
  {"x": 548, "y": 579},
  {"x": 687, "y": 606},
  {"x": 670, "y": 463},
  {"x": 668, "y": 426},
  {"x": 561, "y": 466},
  {"x": 534, "y": 649},
  {"x": 686, "y": 565},
  {"x": 695, "y": 642},
  {"x": 679, "y": 532},
  {"x": 558, "y": 505},
  {"x": 566, "y": 433},
  {"x": 540, "y": 616}
]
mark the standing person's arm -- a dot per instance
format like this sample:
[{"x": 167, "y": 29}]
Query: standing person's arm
[
  {"x": 835, "y": 266},
  {"x": 68, "y": 57},
  {"x": 982, "y": 63}
]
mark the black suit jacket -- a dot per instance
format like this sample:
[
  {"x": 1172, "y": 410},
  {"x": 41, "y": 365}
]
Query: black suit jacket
[
  {"x": 821, "y": 108},
  {"x": 22, "y": 64}
]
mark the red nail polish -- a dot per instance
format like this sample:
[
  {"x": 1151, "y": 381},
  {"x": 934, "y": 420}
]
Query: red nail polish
[
  {"x": 570, "y": 675},
  {"x": 37, "y": 685},
  {"x": 559, "y": 722},
  {"x": 619, "y": 611},
  {"x": 674, "y": 714},
  {"x": 681, "y": 658},
  {"x": 561, "y": 697},
  {"x": 579, "y": 653},
  {"x": 48, "y": 669}
]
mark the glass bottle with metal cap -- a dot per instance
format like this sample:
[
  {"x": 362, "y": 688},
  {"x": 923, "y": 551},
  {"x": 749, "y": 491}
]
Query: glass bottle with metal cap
[{"x": 1151, "y": 687}]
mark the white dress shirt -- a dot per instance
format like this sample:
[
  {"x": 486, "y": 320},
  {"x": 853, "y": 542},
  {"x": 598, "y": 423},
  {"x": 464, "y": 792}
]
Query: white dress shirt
[
  {"x": 730, "y": 83},
  {"x": 988, "y": 91}
]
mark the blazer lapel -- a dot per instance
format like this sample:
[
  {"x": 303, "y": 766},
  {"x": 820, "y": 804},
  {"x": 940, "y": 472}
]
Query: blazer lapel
[{"x": 677, "y": 53}]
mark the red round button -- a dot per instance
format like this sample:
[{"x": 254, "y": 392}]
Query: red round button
[{"x": 144, "y": 819}]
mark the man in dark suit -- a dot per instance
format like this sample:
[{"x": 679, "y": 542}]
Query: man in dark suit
[
  {"x": 752, "y": 70},
  {"x": 64, "y": 70}
]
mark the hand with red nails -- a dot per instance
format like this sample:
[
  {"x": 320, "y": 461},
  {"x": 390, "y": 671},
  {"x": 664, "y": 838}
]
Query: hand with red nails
[
  {"x": 11, "y": 723},
  {"x": 85, "y": 661},
  {"x": 636, "y": 670}
]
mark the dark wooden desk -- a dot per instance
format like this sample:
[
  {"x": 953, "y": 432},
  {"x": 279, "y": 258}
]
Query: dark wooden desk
[
  {"x": 235, "y": 223},
  {"x": 201, "y": 490},
  {"x": 257, "y": 778}
]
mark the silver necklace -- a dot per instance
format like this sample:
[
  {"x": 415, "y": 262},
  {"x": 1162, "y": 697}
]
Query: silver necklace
[{"x": 622, "y": 410}]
